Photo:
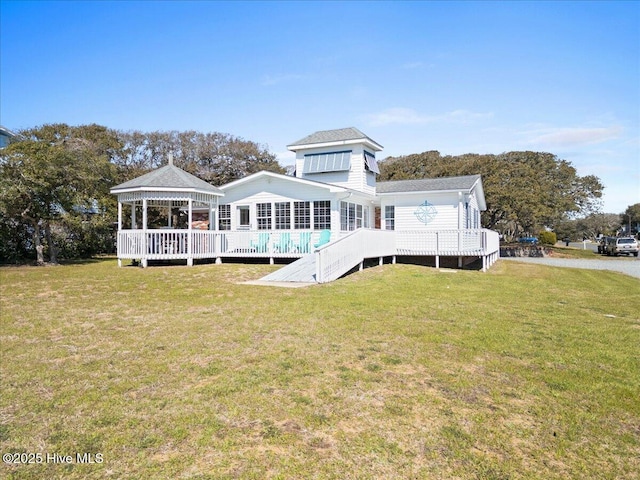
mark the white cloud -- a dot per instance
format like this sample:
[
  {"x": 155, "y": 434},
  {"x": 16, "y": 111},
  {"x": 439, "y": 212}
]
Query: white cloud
[
  {"x": 403, "y": 116},
  {"x": 564, "y": 137},
  {"x": 268, "y": 80},
  {"x": 412, "y": 65},
  {"x": 408, "y": 116}
]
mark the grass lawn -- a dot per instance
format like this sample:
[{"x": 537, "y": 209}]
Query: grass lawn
[{"x": 400, "y": 371}]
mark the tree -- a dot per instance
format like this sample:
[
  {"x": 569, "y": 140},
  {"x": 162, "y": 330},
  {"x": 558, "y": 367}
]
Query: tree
[
  {"x": 217, "y": 158},
  {"x": 54, "y": 171},
  {"x": 525, "y": 191},
  {"x": 631, "y": 218}
]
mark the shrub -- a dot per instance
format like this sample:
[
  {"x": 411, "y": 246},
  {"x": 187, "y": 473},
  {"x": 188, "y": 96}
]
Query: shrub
[{"x": 547, "y": 238}]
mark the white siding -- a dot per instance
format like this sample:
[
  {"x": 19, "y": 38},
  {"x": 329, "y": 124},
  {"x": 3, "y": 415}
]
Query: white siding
[
  {"x": 271, "y": 190},
  {"x": 446, "y": 205},
  {"x": 357, "y": 178}
]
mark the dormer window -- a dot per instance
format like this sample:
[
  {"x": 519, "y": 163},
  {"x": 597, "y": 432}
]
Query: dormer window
[
  {"x": 370, "y": 163},
  {"x": 327, "y": 162}
]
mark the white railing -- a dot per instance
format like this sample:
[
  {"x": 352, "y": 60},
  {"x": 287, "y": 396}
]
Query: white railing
[
  {"x": 333, "y": 259},
  {"x": 446, "y": 242},
  {"x": 165, "y": 244},
  {"x": 180, "y": 244},
  {"x": 337, "y": 258},
  {"x": 267, "y": 243}
]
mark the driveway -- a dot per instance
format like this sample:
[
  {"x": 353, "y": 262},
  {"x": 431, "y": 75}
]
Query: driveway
[{"x": 629, "y": 266}]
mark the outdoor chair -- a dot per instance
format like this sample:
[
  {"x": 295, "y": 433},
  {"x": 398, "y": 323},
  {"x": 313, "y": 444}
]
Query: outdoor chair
[
  {"x": 325, "y": 237},
  {"x": 303, "y": 245},
  {"x": 261, "y": 245},
  {"x": 284, "y": 245}
]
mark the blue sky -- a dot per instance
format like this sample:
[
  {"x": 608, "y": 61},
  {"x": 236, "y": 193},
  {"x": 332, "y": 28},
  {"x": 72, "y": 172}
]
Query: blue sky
[{"x": 458, "y": 77}]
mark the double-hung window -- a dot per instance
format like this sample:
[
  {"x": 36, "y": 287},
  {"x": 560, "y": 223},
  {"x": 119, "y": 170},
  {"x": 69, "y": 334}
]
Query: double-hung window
[
  {"x": 263, "y": 216},
  {"x": 283, "y": 215},
  {"x": 322, "y": 215},
  {"x": 224, "y": 217},
  {"x": 301, "y": 215},
  {"x": 351, "y": 216},
  {"x": 390, "y": 217}
]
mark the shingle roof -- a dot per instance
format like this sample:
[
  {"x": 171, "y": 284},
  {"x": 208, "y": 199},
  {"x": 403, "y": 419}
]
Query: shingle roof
[
  {"x": 428, "y": 184},
  {"x": 168, "y": 176},
  {"x": 330, "y": 136}
]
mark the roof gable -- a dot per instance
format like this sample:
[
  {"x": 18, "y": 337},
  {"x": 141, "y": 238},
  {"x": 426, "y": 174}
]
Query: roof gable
[
  {"x": 341, "y": 136},
  {"x": 167, "y": 177},
  {"x": 266, "y": 173}
]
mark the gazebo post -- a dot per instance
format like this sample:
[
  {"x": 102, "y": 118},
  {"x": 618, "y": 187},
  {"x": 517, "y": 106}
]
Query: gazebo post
[
  {"x": 119, "y": 227},
  {"x": 144, "y": 233},
  {"x": 190, "y": 235}
]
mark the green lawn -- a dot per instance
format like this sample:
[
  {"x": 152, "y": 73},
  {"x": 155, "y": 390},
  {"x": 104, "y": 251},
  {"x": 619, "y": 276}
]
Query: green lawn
[{"x": 396, "y": 372}]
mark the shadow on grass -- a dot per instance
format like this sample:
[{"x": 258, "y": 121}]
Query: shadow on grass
[{"x": 62, "y": 261}]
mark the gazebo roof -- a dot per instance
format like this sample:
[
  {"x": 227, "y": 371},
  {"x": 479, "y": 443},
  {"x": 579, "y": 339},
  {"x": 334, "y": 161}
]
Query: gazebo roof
[{"x": 167, "y": 178}]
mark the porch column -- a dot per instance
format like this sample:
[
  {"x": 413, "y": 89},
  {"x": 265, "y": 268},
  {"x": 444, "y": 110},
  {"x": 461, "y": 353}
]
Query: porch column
[
  {"x": 118, "y": 234},
  {"x": 190, "y": 234},
  {"x": 145, "y": 240},
  {"x": 133, "y": 215}
]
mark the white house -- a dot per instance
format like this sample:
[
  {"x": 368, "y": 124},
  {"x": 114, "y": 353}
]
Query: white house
[{"x": 331, "y": 213}]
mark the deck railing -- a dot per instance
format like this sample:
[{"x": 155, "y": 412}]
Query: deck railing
[
  {"x": 337, "y": 258},
  {"x": 167, "y": 244},
  {"x": 446, "y": 242},
  {"x": 340, "y": 254}
]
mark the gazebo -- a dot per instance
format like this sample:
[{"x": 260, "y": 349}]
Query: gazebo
[{"x": 161, "y": 223}]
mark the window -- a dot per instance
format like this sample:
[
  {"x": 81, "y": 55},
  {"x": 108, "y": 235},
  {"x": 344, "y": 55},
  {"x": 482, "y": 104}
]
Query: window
[
  {"x": 263, "y": 216},
  {"x": 358, "y": 216},
  {"x": 322, "y": 215},
  {"x": 390, "y": 217},
  {"x": 327, "y": 162},
  {"x": 283, "y": 215},
  {"x": 351, "y": 216},
  {"x": 224, "y": 217},
  {"x": 301, "y": 215},
  {"x": 243, "y": 217},
  {"x": 370, "y": 162}
]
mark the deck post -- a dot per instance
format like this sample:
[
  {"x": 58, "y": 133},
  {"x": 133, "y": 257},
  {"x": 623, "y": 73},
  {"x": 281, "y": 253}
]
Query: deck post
[
  {"x": 190, "y": 235},
  {"x": 145, "y": 240},
  {"x": 437, "y": 261},
  {"x": 380, "y": 260}
]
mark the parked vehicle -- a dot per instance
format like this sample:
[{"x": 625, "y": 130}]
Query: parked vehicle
[
  {"x": 602, "y": 244},
  {"x": 531, "y": 240},
  {"x": 623, "y": 245}
]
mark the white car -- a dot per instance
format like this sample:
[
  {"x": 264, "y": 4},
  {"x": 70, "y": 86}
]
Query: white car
[{"x": 626, "y": 245}]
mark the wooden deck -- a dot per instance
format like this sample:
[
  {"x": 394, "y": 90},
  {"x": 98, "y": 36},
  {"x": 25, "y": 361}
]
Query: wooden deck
[{"x": 318, "y": 263}]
